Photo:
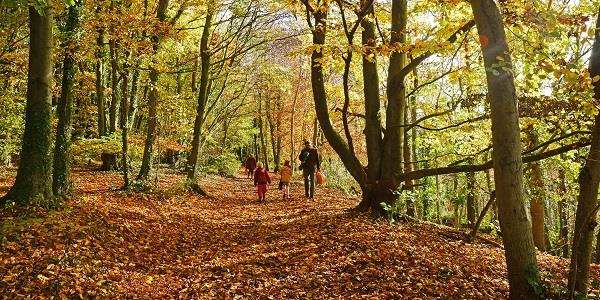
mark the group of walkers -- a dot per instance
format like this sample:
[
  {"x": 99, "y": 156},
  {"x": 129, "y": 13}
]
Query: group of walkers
[{"x": 310, "y": 164}]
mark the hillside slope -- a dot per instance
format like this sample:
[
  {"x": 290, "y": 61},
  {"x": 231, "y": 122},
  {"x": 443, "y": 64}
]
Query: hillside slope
[{"x": 171, "y": 243}]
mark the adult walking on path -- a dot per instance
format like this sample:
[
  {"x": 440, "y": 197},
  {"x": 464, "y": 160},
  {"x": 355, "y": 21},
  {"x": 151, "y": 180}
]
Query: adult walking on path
[
  {"x": 310, "y": 164},
  {"x": 250, "y": 166}
]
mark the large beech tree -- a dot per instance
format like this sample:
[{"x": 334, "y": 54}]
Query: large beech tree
[
  {"x": 161, "y": 16},
  {"x": 62, "y": 155},
  {"x": 508, "y": 165},
  {"x": 34, "y": 176},
  {"x": 587, "y": 200},
  {"x": 384, "y": 151}
]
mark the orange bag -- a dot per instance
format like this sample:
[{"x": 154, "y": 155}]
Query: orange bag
[{"x": 321, "y": 179}]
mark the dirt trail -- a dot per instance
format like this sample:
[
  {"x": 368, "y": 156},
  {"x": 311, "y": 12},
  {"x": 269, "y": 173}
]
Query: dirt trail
[{"x": 172, "y": 244}]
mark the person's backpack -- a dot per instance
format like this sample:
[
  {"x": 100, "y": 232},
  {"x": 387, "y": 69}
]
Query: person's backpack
[
  {"x": 303, "y": 159},
  {"x": 310, "y": 158}
]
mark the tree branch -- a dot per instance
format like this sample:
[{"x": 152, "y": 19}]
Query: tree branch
[
  {"x": 488, "y": 164},
  {"x": 419, "y": 59}
]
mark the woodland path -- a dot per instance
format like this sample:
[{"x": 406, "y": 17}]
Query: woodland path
[{"x": 173, "y": 244}]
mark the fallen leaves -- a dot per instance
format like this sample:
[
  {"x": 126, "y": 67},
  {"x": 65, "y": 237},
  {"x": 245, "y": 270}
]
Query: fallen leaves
[{"x": 111, "y": 244}]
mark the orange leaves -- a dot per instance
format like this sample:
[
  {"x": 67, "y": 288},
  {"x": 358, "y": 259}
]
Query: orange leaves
[{"x": 116, "y": 244}]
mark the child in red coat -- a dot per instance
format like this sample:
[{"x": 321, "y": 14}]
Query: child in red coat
[{"x": 261, "y": 179}]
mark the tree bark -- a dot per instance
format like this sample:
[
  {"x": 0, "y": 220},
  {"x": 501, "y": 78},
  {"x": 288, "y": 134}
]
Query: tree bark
[
  {"x": 133, "y": 96},
  {"x": 273, "y": 129},
  {"x": 373, "y": 130},
  {"x": 262, "y": 134},
  {"x": 124, "y": 122},
  {"x": 471, "y": 200},
  {"x": 114, "y": 81},
  {"x": 486, "y": 208},
  {"x": 205, "y": 56},
  {"x": 292, "y": 121},
  {"x": 152, "y": 99},
  {"x": 587, "y": 200},
  {"x": 538, "y": 195},
  {"x": 562, "y": 216},
  {"x": 279, "y": 133},
  {"x": 61, "y": 180},
  {"x": 350, "y": 161},
  {"x": 33, "y": 184},
  {"x": 597, "y": 256},
  {"x": 507, "y": 160},
  {"x": 396, "y": 95},
  {"x": 407, "y": 153},
  {"x": 100, "y": 101}
]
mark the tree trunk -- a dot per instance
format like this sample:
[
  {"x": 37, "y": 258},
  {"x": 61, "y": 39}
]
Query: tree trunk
[
  {"x": 203, "y": 93},
  {"x": 273, "y": 131},
  {"x": 486, "y": 208},
  {"x": 413, "y": 140},
  {"x": 396, "y": 95},
  {"x": 597, "y": 257},
  {"x": 115, "y": 99},
  {"x": 538, "y": 195},
  {"x": 587, "y": 200},
  {"x": 61, "y": 180},
  {"x": 100, "y": 101},
  {"x": 279, "y": 115},
  {"x": 438, "y": 209},
  {"x": 457, "y": 205},
  {"x": 256, "y": 145},
  {"x": 373, "y": 131},
  {"x": 471, "y": 200},
  {"x": 33, "y": 183},
  {"x": 262, "y": 134},
  {"x": 292, "y": 121},
  {"x": 507, "y": 160},
  {"x": 407, "y": 152},
  {"x": 152, "y": 99},
  {"x": 133, "y": 96},
  {"x": 315, "y": 131},
  {"x": 350, "y": 161},
  {"x": 563, "y": 217},
  {"x": 124, "y": 122}
]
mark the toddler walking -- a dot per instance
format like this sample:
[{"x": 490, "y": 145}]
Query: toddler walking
[
  {"x": 286, "y": 176},
  {"x": 261, "y": 179}
]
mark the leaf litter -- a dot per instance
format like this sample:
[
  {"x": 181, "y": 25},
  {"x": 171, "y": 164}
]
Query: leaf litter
[{"x": 107, "y": 243}]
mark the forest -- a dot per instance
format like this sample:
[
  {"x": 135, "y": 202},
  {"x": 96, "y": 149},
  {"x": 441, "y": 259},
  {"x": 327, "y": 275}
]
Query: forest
[{"x": 458, "y": 149}]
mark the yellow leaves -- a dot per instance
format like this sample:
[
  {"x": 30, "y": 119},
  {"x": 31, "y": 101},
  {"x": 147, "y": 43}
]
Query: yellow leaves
[
  {"x": 370, "y": 57},
  {"x": 8, "y": 278},
  {"x": 42, "y": 278},
  {"x": 149, "y": 279}
]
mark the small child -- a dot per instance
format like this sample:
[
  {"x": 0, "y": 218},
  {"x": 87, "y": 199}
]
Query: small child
[
  {"x": 286, "y": 176},
  {"x": 261, "y": 179}
]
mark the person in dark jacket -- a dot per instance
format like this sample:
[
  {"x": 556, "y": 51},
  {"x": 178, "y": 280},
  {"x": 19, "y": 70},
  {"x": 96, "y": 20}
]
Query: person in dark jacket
[
  {"x": 250, "y": 165},
  {"x": 261, "y": 179},
  {"x": 310, "y": 163}
]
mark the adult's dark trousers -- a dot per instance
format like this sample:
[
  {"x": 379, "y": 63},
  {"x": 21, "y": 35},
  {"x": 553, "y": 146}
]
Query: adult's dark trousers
[{"x": 309, "y": 182}]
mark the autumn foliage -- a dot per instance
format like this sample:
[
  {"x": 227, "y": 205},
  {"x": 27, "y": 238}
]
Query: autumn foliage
[{"x": 106, "y": 243}]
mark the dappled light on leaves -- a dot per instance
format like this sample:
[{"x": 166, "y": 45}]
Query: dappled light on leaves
[{"x": 108, "y": 243}]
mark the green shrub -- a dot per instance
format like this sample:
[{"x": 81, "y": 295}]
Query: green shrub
[
  {"x": 225, "y": 164},
  {"x": 85, "y": 150},
  {"x": 339, "y": 177}
]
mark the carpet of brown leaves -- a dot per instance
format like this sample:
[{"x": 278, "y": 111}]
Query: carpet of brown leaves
[{"x": 106, "y": 243}]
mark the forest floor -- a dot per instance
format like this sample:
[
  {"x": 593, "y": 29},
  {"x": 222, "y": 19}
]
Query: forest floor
[{"x": 107, "y": 243}]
